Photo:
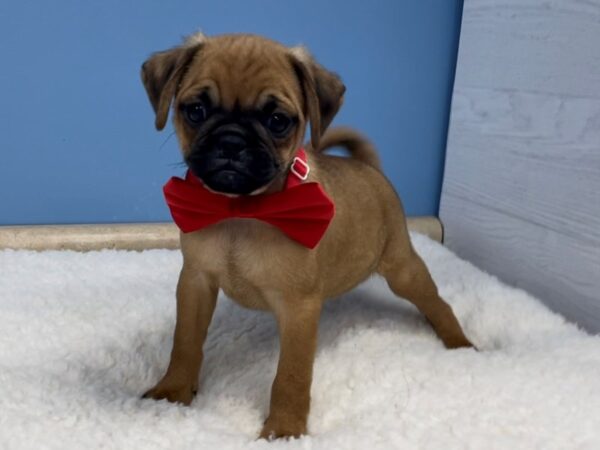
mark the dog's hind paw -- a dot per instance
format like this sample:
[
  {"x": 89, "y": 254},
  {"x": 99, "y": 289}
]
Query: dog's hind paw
[{"x": 458, "y": 342}]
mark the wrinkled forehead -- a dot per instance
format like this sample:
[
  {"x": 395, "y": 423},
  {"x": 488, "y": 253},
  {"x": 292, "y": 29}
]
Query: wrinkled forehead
[{"x": 246, "y": 76}]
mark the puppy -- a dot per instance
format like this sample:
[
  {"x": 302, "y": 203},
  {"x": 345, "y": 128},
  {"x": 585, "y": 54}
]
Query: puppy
[{"x": 241, "y": 106}]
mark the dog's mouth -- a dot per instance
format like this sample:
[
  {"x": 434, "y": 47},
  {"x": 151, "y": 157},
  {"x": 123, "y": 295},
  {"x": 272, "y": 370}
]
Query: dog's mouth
[
  {"x": 231, "y": 180},
  {"x": 221, "y": 165},
  {"x": 233, "y": 160},
  {"x": 233, "y": 177}
]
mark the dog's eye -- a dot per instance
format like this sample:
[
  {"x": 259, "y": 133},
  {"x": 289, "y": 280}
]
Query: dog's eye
[
  {"x": 278, "y": 123},
  {"x": 195, "y": 113}
]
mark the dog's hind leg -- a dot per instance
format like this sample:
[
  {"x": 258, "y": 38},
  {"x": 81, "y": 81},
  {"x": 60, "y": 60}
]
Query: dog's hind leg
[{"x": 409, "y": 278}]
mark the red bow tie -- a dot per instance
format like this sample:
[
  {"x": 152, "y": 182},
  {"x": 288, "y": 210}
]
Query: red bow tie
[{"x": 302, "y": 211}]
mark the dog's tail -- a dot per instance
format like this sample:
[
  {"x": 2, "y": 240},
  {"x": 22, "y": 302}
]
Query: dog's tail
[{"x": 355, "y": 143}]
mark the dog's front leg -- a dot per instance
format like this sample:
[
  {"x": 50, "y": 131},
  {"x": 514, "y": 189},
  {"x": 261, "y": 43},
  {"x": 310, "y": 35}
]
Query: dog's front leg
[
  {"x": 196, "y": 300},
  {"x": 298, "y": 323}
]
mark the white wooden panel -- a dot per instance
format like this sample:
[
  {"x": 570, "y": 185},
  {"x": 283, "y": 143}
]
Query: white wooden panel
[
  {"x": 535, "y": 45},
  {"x": 525, "y": 254},
  {"x": 547, "y": 166},
  {"x": 521, "y": 194}
]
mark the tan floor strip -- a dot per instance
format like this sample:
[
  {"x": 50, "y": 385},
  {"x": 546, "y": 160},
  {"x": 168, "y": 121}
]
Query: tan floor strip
[{"x": 138, "y": 236}]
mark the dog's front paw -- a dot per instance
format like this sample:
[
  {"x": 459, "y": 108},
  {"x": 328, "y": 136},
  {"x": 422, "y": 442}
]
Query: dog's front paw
[
  {"x": 174, "y": 392},
  {"x": 275, "y": 428}
]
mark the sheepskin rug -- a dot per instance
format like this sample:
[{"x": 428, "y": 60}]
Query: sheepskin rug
[{"x": 82, "y": 335}]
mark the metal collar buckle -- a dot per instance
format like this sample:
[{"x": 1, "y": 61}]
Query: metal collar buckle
[{"x": 305, "y": 168}]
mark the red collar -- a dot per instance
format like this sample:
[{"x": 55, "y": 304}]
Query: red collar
[{"x": 302, "y": 210}]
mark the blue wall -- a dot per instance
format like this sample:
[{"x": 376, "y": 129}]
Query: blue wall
[{"x": 77, "y": 141}]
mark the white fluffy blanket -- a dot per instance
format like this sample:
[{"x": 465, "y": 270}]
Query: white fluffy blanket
[{"x": 82, "y": 335}]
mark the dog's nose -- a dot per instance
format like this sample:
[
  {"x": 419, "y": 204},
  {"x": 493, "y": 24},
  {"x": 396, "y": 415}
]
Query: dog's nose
[{"x": 230, "y": 144}]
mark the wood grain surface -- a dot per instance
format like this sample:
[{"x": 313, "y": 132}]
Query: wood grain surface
[
  {"x": 521, "y": 193},
  {"x": 132, "y": 236}
]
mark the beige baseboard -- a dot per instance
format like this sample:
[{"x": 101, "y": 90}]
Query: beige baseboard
[{"x": 138, "y": 236}]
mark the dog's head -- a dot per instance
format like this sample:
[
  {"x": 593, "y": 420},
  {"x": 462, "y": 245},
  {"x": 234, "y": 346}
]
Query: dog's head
[{"x": 241, "y": 106}]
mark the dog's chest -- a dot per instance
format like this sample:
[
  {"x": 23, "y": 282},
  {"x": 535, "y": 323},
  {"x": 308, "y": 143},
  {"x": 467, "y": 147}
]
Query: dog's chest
[{"x": 251, "y": 261}]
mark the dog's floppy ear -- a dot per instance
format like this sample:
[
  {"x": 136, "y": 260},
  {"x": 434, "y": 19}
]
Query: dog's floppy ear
[
  {"x": 323, "y": 92},
  {"x": 162, "y": 72}
]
